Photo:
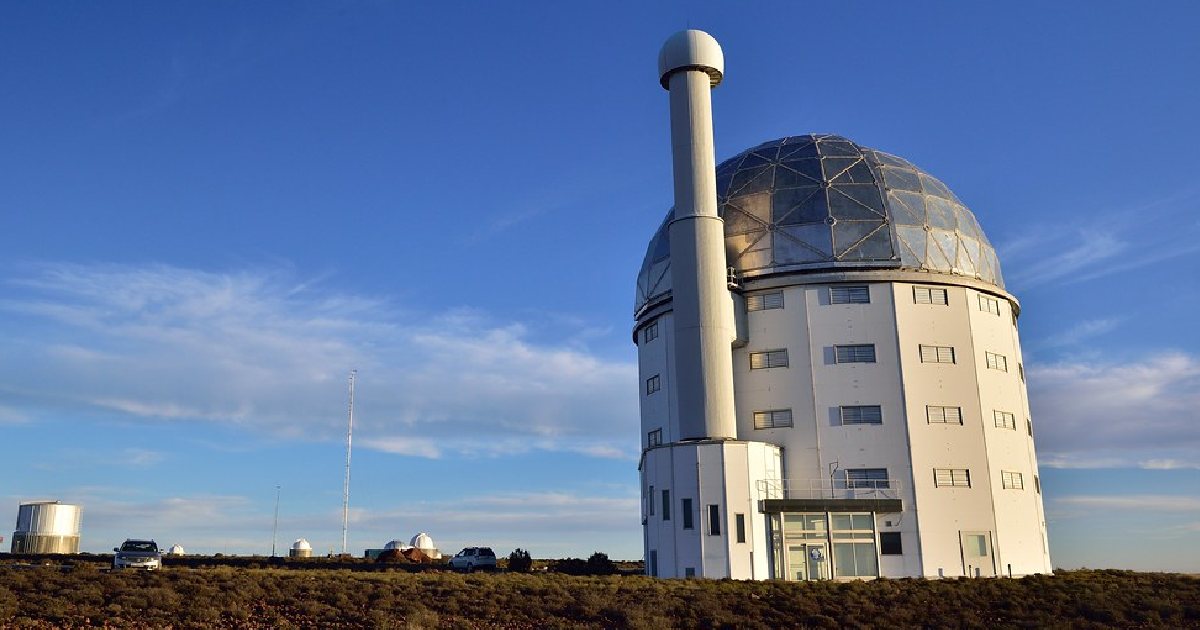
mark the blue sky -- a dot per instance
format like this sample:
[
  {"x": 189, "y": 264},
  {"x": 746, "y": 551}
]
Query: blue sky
[{"x": 211, "y": 212}]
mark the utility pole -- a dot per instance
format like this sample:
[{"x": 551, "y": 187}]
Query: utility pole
[
  {"x": 346, "y": 481},
  {"x": 275, "y": 529}
]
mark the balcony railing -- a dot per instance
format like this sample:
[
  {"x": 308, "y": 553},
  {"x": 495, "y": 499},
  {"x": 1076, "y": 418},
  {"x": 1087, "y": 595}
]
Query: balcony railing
[{"x": 828, "y": 489}]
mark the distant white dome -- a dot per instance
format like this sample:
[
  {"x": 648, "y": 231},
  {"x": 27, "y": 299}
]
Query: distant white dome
[
  {"x": 301, "y": 544},
  {"x": 422, "y": 541},
  {"x": 175, "y": 550},
  {"x": 396, "y": 544}
]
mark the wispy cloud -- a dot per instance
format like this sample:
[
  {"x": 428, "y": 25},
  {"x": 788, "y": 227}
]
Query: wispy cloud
[
  {"x": 1146, "y": 502},
  {"x": 1083, "y": 331},
  {"x": 258, "y": 348}
]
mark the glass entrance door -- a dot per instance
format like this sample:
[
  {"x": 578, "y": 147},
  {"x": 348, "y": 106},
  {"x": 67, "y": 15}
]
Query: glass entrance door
[{"x": 808, "y": 561}]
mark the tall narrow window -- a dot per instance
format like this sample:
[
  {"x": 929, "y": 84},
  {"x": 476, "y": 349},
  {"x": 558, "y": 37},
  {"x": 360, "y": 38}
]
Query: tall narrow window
[
  {"x": 867, "y": 478},
  {"x": 938, "y": 414},
  {"x": 666, "y": 505},
  {"x": 739, "y": 523},
  {"x": 773, "y": 419},
  {"x": 765, "y": 301},
  {"x": 654, "y": 438},
  {"x": 856, "y": 353},
  {"x": 1021, "y": 371},
  {"x": 1029, "y": 426},
  {"x": 650, "y": 501},
  {"x": 951, "y": 477},
  {"x": 861, "y": 414},
  {"x": 929, "y": 295},
  {"x": 768, "y": 359},
  {"x": 714, "y": 520},
  {"x": 849, "y": 295},
  {"x": 937, "y": 354},
  {"x": 1037, "y": 484},
  {"x": 996, "y": 361},
  {"x": 1012, "y": 480},
  {"x": 650, "y": 332},
  {"x": 990, "y": 305},
  {"x": 685, "y": 509},
  {"x": 1005, "y": 420},
  {"x": 653, "y": 563},
  {"x": 653, "y": 384}
]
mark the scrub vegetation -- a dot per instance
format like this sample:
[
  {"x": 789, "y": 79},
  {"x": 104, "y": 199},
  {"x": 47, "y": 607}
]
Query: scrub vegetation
[{"x": 226, "y": 597}]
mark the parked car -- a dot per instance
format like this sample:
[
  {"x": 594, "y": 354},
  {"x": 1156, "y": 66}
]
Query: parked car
[
  {"x": 473, "y": 558},
  {"x": 137, "y": 554}
]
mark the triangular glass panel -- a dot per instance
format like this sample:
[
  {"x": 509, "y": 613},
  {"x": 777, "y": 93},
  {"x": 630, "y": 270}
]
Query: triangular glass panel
[
  {"x": 940, "y": 213},
  {"x": 965, "y": 264},
  {"x": 947, "y": 242},
  {"x": 857, "y": 173},
  {"x": 907, "y": 208},
  {"x": 785, "y": 177},
  {"x": 748, "y": 182},
  {"x": 867, "y": 195},
  {"x": 912, "y": 245},
  {"x": 840, "y": 147},
  {"x": 891, "y": 160},
  {"x": 834, "y": 166},
  {"x": 813, "y": 209},
  {"x": 817, "y": 237},
  {"x": 933, "y": 186},
  {"x": 844, "y": 206},
  {"x": 752, "y": 160},
  {"x": 846, "y": 234},
  {"x": 900, "y": 178},
  {"x": 875, "y": 246},
  {"x": 802, "y": 148},
  {"x": 969, "y": 247},
  {"x": 784, "y": 200},
  {"x": 792, "y": 251},
  {"x": 738, "y": 221},
  {"x": 934, "y": 258},
  {"x": 662, "y": 245},
  {"x": 810, "y": 168},
  {"x": 723, "y": 182},
  {"x": 757, "y": 205}
]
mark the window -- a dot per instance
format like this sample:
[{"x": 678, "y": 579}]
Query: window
[
  {"x": 1012, "y": 480},
  {"x": 685, "y": 508},
  {"x": 849, "y": 295},
  {"x": 689, "y": 572},
  {"x": 773, "y": 419},
  {"x": 765, "y": 301},
  {"x": 714, "y": 520},
  {"x": 990, "y": 305},
  {"x": 938, "y": 414},
  {"x": 853, "y": 545},
  {"x": 1029, "y": 426},
  {"x": 653, "y": 384},
  {"x": 666, "y": 505},
  {"x": 951, "y": 478},
  {"x": 862, "y": 414},
  {"x": 929, "y": 295},
  {"x": 653, "y": 563},
  {"x": 937, "y": 354},
  {"x": 768, "y": 359},
  {"x": 858, "y": 353},
  {"x": 739, "y": 522},
  {"x": 1005, "y": 420},
  {"x": 1021, "y": 371},
  {"x": 650, "y": 333},
  {"x": 654, "y": 438},
  {"x": 996, "y": 361},
  {"x": 650, "y": 494},
  {"x": 1037, "y": 484},
  {"x": 866, "y": 478},
  {"x": 890, "y": 544}
]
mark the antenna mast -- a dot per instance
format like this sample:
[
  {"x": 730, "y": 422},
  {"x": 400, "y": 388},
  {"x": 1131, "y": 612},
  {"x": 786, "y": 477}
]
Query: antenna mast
[{"x": 346, "y": 482}]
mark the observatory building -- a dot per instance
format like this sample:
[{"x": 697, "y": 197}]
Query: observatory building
[
  {"x": 47, "y": 527},
  {"x": 831, "y": 379}
]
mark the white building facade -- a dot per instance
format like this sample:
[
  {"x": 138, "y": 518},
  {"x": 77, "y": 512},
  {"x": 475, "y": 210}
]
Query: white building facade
[{"x": 880, "y": 420}]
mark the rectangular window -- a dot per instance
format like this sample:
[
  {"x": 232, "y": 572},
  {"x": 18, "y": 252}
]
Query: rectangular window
[
  {"x": 857, "y": 353},
  {"x": 653, "y": 563},
  {"x": 849, "y": 295},
  {"x": 990, "y": 305},
  {"x": 1037, "y": 484},
  {"x": 650, "y": 333},
  {"x": 929, "y": 295},
  {"x": 996, "y": 361},
  {"x": 861, "y": 414},
  {"x": 1005, "y": 420},
  {"x": 854, "y": 559},
  {"x": 714, "y": 520},
  {"x": 768, "y": 359},
  {"x": 739, "y": 523},
  {"x": 1021, "y": 371},
  {"x": 1012, "y": 480},
  {"x": 650, "y": 494},
  {"x": 866, "y": 478},
  {"x": 653, "y": 384},
  {"x": 952, "y": 477},
  {"x": 937, "y": 354},
  {"x": 773, "y": 419},
  {"x": 654, "y": 438},
  {"x": 764, "y": 301},
  {"x": 685, "y": 509},
  {"x": 1029, "y": 426},
  {"x": 938, "y": 414},
  {"x": 666, "y": 505},
  {"x": 890, "y": 544},
  {"x": 689, "y": 572}
]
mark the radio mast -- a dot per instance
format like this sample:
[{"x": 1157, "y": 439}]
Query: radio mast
[{"x": 346, "y": 481}]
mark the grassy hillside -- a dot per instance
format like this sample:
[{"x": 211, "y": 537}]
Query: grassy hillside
[{"x": 262, "y": 598}]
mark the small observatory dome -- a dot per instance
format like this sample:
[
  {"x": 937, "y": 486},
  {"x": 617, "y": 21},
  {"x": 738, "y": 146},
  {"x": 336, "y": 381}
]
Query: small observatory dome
[
  {"x": 818, "y": 203},
  {"x": 300, "y": 549},
  {"x": 422, "y": 541},
  {"x": 396, "y": 544},
  {"x": 175, "y": 550}
]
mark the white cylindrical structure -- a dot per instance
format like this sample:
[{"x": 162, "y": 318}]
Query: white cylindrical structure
[
  {"x": 300, "y": 549},
  {"x": 47, "y": 527},
  {"x": 690, "y": 65}
]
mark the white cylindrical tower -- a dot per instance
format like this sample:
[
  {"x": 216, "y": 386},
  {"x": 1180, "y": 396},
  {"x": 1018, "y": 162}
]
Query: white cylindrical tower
[
  {"x": 47, "y": 527},
  {"x": 690, "y": 64}
]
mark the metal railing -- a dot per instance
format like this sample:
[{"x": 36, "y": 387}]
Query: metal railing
[{"x": 828, "y": 489}]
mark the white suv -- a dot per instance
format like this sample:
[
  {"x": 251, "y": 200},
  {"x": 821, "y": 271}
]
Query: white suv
[
  {"x": 472, "y": 558},
  {"x": 137, "y": 554}
]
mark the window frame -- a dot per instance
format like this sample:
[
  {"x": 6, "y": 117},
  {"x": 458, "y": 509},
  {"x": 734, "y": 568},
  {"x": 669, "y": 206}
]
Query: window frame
[
  {"x": 685, "y": 510},
  {"x": 989, "y": 304},
  {"x": 739, "y": 525},
  {"x": 1004, "y": 419},
  {"x": 854, "y": 353},
  {"x": 863, "y": 416},
  {"x": 772, "y": 415},
  {"x": 650, "y": 332},
  {"x": 850, "y": 294},
  {"x": 769, "y": 359},
  {"x": 929, "y": 293},
  {"x": 895, "y": 541},
  {"x": 929, "y": 414},
  {"x": 654, "y": 438},
  {"x": 666, "y": 504},
  {"x": 955, "y": 477},
  {"x": 869, "y": 479},
  {"x": 938, "y": 354},
  {"x": 653, "y": 384},
  {"x": 995, "y": 361},
  {"x": 765, "y": 301},
  {"x": 1012, "y": 480},
  {"x": 714, "y": 519}
]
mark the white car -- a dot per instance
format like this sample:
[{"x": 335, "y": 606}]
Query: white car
[
  {"x": 474, "y": 558},
  {"x": 137, "y": 554}
]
